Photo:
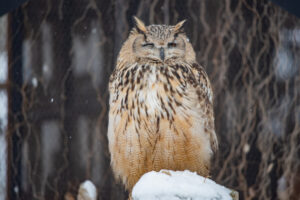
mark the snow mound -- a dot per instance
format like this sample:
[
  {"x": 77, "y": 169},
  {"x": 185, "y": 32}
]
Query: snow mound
[
  {"x": 87, "y": 191},
  {"x": 175, "y": 185}
]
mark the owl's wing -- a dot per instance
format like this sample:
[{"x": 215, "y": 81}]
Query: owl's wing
[{"x": 205, "y": 93}]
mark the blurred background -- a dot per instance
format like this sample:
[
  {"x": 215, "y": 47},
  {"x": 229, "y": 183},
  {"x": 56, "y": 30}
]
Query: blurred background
[{"x": 55, "y": 60}]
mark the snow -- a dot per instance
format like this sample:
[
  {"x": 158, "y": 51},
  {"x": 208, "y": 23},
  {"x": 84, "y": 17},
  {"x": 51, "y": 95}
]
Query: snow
[
  {"x": 88, "y": 54},
  {"x": 3, "y": 111},
  {"x": 3, "y": 67},
  {"x": 47, "y": 52},
  {"x": 51, "y": 139},
  {"x": 2, "y": 166},
  {"x": 3, "y": 150},
  {"x": 3, "y": 106},
  {"x": 175, "y": 185},
  {"x": 34, "y": 82},
  {"x": 286, "y": 61},
  {"x": 282, "y": 188},
  {"x": 3, "y": 52},
  {"x": 87, "y": 191}
]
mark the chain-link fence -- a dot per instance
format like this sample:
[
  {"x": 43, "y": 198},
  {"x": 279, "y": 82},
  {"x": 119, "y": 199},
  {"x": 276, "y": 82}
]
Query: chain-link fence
[{"x": 61, "y": 53}]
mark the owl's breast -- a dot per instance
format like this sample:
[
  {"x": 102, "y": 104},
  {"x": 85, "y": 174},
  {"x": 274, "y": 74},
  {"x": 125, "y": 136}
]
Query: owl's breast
[
  {"x": 155, "y": 123},
  {"x": 153, "y": 90},
  {"x": 148, "y": 95}
]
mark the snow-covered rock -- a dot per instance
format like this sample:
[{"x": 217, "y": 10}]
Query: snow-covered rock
[
  {"x": 87, "y": 191},
  {"x": 176, "y": 185}
]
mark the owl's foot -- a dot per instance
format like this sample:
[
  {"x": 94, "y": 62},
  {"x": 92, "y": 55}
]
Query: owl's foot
[
  {"x": 166, "y": 172},
  {"x": 130, "y": 196},
  {"x": 208, "y": 176}
]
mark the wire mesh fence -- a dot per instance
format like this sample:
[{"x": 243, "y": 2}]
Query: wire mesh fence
[{"x": 61, "y": 54}]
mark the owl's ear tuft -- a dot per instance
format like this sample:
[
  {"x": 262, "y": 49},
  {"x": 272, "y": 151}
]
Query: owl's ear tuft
[
  {"x": 179, "y": 26},
  {"x": 140, "y": 25}
]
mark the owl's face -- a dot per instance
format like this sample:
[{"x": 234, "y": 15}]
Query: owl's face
[{"x": 160, "y": 43}]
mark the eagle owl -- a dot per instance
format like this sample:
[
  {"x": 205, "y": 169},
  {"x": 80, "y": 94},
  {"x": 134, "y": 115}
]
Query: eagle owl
[{"x": 161, "y": 106}]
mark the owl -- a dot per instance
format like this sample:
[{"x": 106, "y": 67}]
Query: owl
[{"x": 160, "y": 106}]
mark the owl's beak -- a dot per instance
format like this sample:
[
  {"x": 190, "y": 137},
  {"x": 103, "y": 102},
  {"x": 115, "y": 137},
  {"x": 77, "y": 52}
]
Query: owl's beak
[{"x": 162, "y": 53}]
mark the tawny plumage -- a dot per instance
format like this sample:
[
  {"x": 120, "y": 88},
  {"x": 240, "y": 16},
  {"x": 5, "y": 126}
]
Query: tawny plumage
[{"x": 161, "y": 106}]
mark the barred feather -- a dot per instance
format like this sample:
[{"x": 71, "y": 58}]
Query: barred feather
[{"x": 160, "y": 117}]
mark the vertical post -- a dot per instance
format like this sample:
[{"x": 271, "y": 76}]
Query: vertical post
[{"x": 15, "y": 116}]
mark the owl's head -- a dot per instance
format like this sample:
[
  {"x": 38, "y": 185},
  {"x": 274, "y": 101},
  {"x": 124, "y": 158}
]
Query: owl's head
[{"x": 158, "y": 43}]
